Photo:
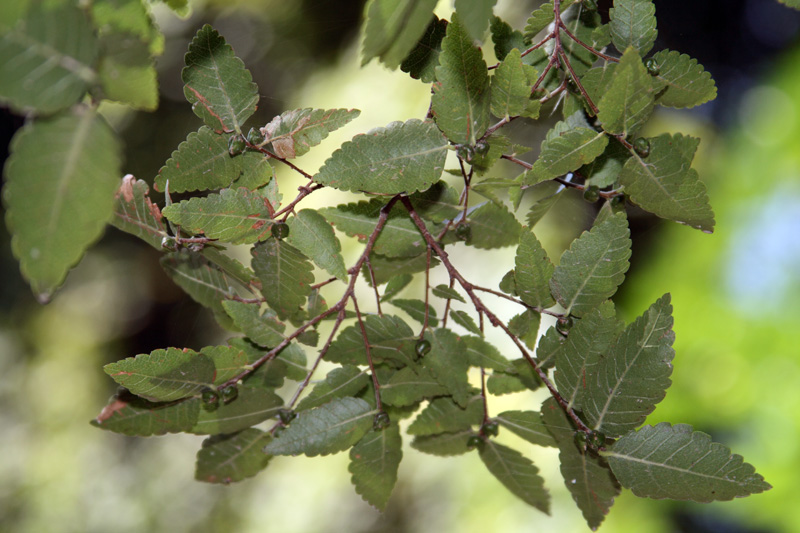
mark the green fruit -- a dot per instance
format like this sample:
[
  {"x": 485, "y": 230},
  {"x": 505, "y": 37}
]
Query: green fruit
[
  {"x": 591, "y": 194},
  {"x": 463, "y": 232},
  {"x": 564, "y": 324},
  {"x": 280, "y": 230},
  {"x": 236, "y": 145},
  {"x": 474, "y": 442},
  {"x": 422, "y": 347},
  {"x": 482, "y": 149},
  {"x": 169, "y": 243},
  {"x": 490, "y": 428},
  {"x": 642, "y": 147},
  {"x": 229, "y": 393},
  {"x": 465, "y": 152},
  {"x": 254, "y": 136},
  {"x": 596, "y": 440},
  {"x": 581, "y": 440},
  {"x": 210, "y": 399},
  {"x": 286, "y": 416},
  {"x": 381, "y": 421},
  {"x": 652, "y": 67}
]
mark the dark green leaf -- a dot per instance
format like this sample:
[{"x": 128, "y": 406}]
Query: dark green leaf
[
  {"x": 443, "y": 415},
  {"x": 263, "y": 329},
  {"x": 675, "y": 462},
  {"x": 461, "y": 99},
  {"x": 564, "y": 153},
  {"x": 463, "y": 319},
  {"x": 687, "y": 82},
  {"x": 230, "y": 265},
  {"x": 517, "y": 473},
  {"x": 229, "y": 361},
  {"x": 402, "y": 157},
  {"x": 549, "y": 345},
  {"x": 634, "y": 374},
  {"x": 407, "y": 386},
  {"x": 422, "y": 61},
  {"x": 511, "y": 91},
  {"x": 330, "y": 428},
  {"x": 483, "y": 354},
  {"x": 374, "y": 461},
  {"x": 392, "y": 28},
  {"x": 201, "y": 162},
  {"x": 543, "y": 17},
  {"x": 443, "y": 444},
  {"x": 219, "y": 87},
  {"x": 46, "y": 60},
  {"x": 505, "y": 38},
  {"x": 293, "y": 133},
  {"x": 437, "y": 204},
  {"x": 493, "y": 226},
  {"x": 474, "y": 15},
  {"x": 285, "y": 276},
  {"x": 542, "y": 206},
  {"x": 231, "y": 458},
  {"x": 129, "y": 17},
  {"x": 164, "y": 375},
  {"x": 593, "y": 267},
  {"x": 136, "y": 214},
  {"x": 500, "y": 383},
  {"x": 58, "y": 202},
  {"x": 443, "y": 291},
  {"x": 389, "y": 337},
  {"x": 629, "y": 99},
  {"x": 256, "y": 174},
  {"x": 604, "y": 171},
  {"x": 665, "y": 184},
  {"x": 136, "y": 417},
  {"x": 127, "y": 71},
  {"x": 314, "y": 237},
  {"x": 447, "y": 363},
  {"x": 526, "y": 326},
  {"x": 340, "y": 382},
  {"x": 416, "y": 309},
  {"x": 252, "y": 406},
  {"x": 395, "y": 286},
  {"x": 586, "y": 476},
  {"x": 385, "y": 268},
  {"x": 528, "y": 425},
  {"x": 533, "y": 271},
  {"x": 584, "y": 28},
  {"x": 633, "y": 24}
]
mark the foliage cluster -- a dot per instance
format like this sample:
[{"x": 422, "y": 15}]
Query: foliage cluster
[{"x": 604, "y": 376}]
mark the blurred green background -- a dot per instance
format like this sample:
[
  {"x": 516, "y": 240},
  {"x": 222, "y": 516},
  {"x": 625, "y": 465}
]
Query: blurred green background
[{"x": 736, "y": 295}]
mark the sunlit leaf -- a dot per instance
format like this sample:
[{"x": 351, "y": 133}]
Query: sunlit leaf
[
  {"x": 629, "y": 98},
  {"x": 293, "y": 133},
  {"x": 687, "y": 83},
  {"x": 136, "y": 214},
  {"x": 633, "y": 24}
]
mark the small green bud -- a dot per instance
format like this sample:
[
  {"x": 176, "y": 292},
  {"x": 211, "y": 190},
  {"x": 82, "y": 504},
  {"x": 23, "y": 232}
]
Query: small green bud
[
  {"x": 653, "y": 67},
  {"x": 229, "y": 393},
  {"x": 236, "y": 145},
  {"x": 482, "y": 148},
  {"x": 642, "y": 147},
  {"x": 581, "y": 440},
  {"x": 474, "y": 442},
  {"x": 564, "y": 324},
  {"x": 280, "y": 230},
  {"x": 465, "y": 152},
  {"x": 490, "y": 428},
  {"x": 169, "y": 243},
  {"x": 210, "y": 399},
  {"x": 422, "y": 347},
  {"x": 254, "y": 136},
  {"x": 463, "y": 232},
  {"x": 596, "y": 440},
  {"x": 381, "y": 421},
  {"x": 591, "y": 194},
  {"x": 286, "y": 416}
]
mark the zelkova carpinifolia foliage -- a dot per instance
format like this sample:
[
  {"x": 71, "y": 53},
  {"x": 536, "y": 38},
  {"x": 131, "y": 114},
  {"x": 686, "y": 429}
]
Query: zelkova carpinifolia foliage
[{"x": 603, "y": 376}]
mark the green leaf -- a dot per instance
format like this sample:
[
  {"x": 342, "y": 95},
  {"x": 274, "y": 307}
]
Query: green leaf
[
  {"x": 164, "y": 375},
  {"x": 593, "y": 267},
  {"x": 400, "y": 237},
  {"x": 438, "y": 203},
  {"x": 207, "y": 284},
  {"x": 392, "y": 28},
  {"x": 483, "y": 354},
  {"x": 634, "y": 374},
  {"x": 633, "y": 24},
  {"x": 791, "y": 3},
  {"x": 340, "y": 382},
  {"x": 474, "y": 15},
  {"x": 386, "y": 268},
  {"x": 448, "y": 293},
  {"x": 422, "y": 61},
  {"x": 136, "y": 214},
  {"x": 252, "y": 406},
  {"x": 443, "y": 415},
  {"x": 314, "y": 237},
  {"x": 629, "y": 99},
  {"x": 136, "y": 417},
  {"x": 231, "y": 266},
  {"x": 201, "y": 162},
  {"x": 542, "y": 17},
  {"x": 390, "y": 339},
  {"x": 517, "y": 473},
  {"x": 402, "y": 157},
  {"x": 586, "y": 476},
  {"x": 492, "y": 226},
  {"x": 526, "y": 326},
  {"x": 229, "y": 361},
  {"x": 46, "y": 60},
  {"x": 463, "y": 319},
  {"x": 58, "y": 205},
  {"x": 500, "y": 383},
  {"x": 180, "y": 7},
  {"x": 237, "y": 216},
  {"x": 374, "y": 461},
  {"x": 505, "y": 38},
  {"x": 447, "y": 363},
  {"x": 687, "y": 82},
  {"x": 584, "y": 27},
  {"x": 216, "y": 83},
  {"x": 416, "y": 309},
  {"x": 129, "y": 17},
  {"x": 396, "y": 286},
  {"x": 444, "y": 444},
  {"x": 408, "y": 386},
  {"x": 230, "y": 458},
  {"x": 330, "y": 428},
  {"x": 542, "y": 206},
  {"x": 604, "y": 171},
  {"x": 528, "y": 425},
  {"x": 577, "y": 358},
  {"x": 549, "y": 345},
  {"x": 263, "y": 329},
  {"x": 127, "y": 71},
  {"x": 665, "y": 184},
  {"x": 511, "y": 91},
  {"x": 565, "y": 152},
  {"x": 293, "y": 133},
  {"x": 285, "y": 274},
  {"x": 533, "y": 272},
  {"x": 462, "y": 95},
  {"x": 256, "y": 174},
  {"x": 675, "y": 462}
]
